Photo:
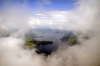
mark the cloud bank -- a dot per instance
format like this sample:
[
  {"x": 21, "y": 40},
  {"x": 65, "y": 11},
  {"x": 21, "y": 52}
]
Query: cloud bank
[{"x": 83, "y": 18}]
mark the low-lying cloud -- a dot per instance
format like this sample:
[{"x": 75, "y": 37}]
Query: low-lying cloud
[{"x": 83, "y": 18}]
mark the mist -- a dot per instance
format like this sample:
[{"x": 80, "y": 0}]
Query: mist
[{"x": 84, "y": 17}]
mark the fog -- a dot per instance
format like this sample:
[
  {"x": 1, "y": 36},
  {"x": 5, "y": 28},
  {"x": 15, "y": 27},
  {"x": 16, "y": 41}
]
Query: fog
[{"x": 84, "y": 17}]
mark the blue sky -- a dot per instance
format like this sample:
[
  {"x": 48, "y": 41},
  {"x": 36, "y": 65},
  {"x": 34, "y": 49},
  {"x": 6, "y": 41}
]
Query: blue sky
[
  {"x": 45, "y": 13},
  {"x": 48, "y": 13},
  {"x": 41, "y": 4}
]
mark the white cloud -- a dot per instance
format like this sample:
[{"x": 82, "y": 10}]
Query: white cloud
[
  {"x": 85, "y": 54},
  {"x": 15, "y": 18},
  {"x": 52, "y": 19}
]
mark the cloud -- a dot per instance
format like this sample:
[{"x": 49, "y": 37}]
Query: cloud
[
  {"x": 16, "y": 16},
  {"x": 85, "y": 16},
  {"x": 50, "y": 19}
]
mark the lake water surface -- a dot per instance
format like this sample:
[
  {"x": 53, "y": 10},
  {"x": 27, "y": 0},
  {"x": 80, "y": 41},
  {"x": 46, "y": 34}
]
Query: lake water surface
[{"x": 49, "y": 36}]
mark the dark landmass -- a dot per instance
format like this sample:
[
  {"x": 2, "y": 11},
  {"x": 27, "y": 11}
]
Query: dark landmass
[
  {"x": 38, "y": 43},
  {"x": 70, "y": 38}
]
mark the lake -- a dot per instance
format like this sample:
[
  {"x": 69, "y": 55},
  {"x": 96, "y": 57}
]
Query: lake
[{"x": 49, "y": 36}]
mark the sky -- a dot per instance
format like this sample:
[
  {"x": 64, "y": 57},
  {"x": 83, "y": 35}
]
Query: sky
[
  {"x": 41, "y": 4},
  {"x": 38, "y": 13}
]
